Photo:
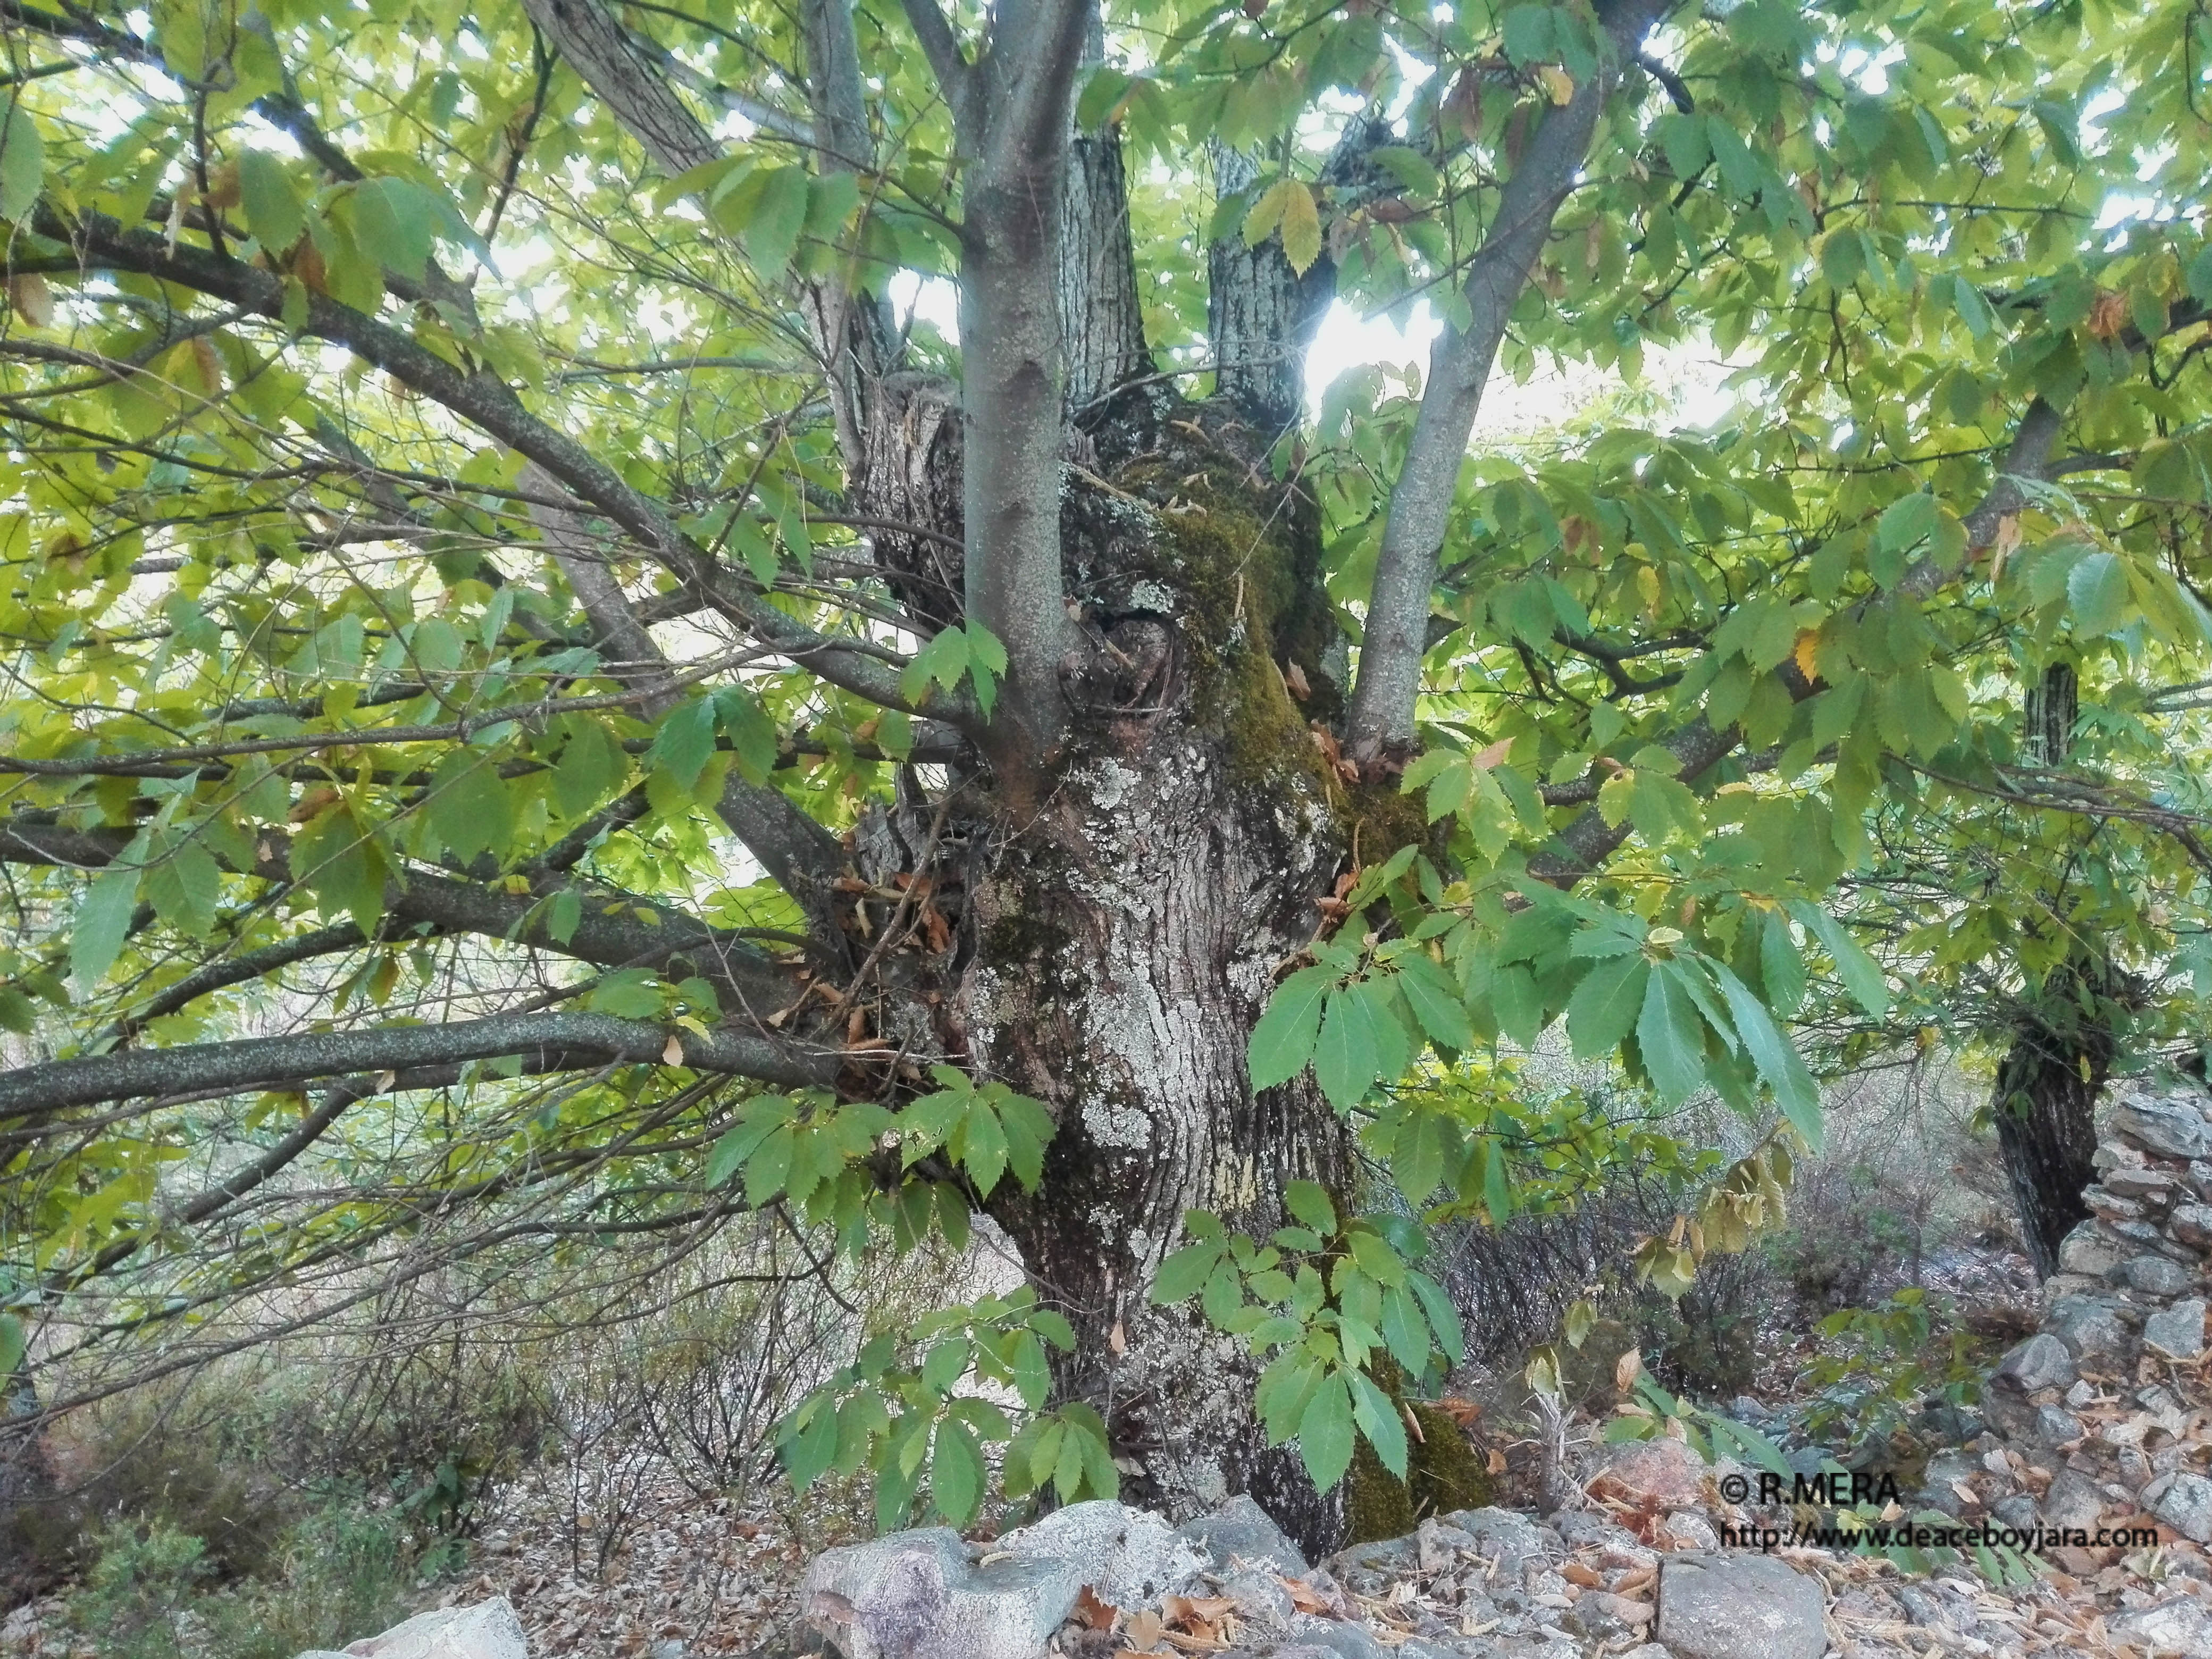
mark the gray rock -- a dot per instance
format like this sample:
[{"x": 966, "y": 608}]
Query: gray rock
[
  {"x": 2173, "y": 1127},
  {"x": 2041, "y": 1362},
  {"x": 2073, "y": 1500},
  {"x": 2153, "y": 1184},
  {"x": 484, "y": 1630},
  {"x": 2018, "y": 1511},
  {"x": 1933, "y": 1607},
  {"x": 1370, "y": 1569},
  {"x": 1512, "y": 1540},
  {"x": 1939, "y": 1489},
  {"x": 1129, "y": 1557},
  {"x": 2181, "y": 1627},
  {"x": 915, "y": 1595},
  {"x": 2087, "y": 1326},
  {"x": 2176, "y": 1332},
  {"x": 1336, "y": 1636},
  {"x": 1240, "y": 1530},
  {"x": 1260, "y": 1599},
  {"x": 2153, "y": 1275},
  {"x": 1738, "y": 1607},
  {"x": 2200, "y": 1180},
  {"x": 1604, "y": 1618},
  {"x": 2088, "y": 1249},
  {"x": 2191, "y": 1224},
  {"x": 2183, "y": 1502},
  {"x": 2057, "y": 1426}
]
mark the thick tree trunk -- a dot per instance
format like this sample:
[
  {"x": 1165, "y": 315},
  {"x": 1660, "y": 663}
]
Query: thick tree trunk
[
  {"x": 1128, "y": 947},
  {"x": 2045, "y": 1105}
]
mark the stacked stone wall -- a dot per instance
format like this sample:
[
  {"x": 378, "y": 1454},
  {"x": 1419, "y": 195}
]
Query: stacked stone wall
[{"x": 2102, "y": 1416}]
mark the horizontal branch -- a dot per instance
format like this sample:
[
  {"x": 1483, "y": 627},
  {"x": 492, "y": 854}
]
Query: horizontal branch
[{"x": 546, "y": 1041}]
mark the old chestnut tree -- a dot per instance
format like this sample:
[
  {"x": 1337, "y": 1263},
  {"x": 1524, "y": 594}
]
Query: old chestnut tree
[{"x": 615, "y": 615}]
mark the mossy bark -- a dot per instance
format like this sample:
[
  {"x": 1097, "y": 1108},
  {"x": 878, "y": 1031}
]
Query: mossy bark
[{"x": 1128, "y": 935}]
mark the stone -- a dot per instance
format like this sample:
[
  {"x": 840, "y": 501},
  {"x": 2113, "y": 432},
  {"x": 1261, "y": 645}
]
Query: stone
[
  {"x": 1603, "y": 1616},
  {"x": 1513, "y": 1541},
  {"x": 1337, "y": 1636},
  {"x": 2041, "y": 1362},
  {"x": 1738, "y": 1607},
  {"x": 915, "y": 1595},
  {"x": 2081, "y": 1393},
  {"x": 2102, "y": 1201},
  {"x": 483, "y": 1630},
  {"x": 2191, "y": 1224},
  {"x": 2153, "y": 1184},
  {"x": 2181, "y": 1627},
  {"x": 2173, "y": 1127},
  {"x": 2183, "y": 1502},
  {"x": 2018, "y": 1511},
  {"x": 2176, "y": 1332},
  {"x": 2073, "y": 1501},
  {"x": 2057, "y": 1426},
  {"x": 1649, "y": 1475},
  {"x": 1130, "y": 1558},
  {"x": 2088, "y": 1326},
  {"x": 1240, "y": 1530},
  {"x": 1260, "y": 1599},
  {"x": 2153, "y": 1275},
  {"x": 1689, "y": 1530},
  {"x": 2200, "y": 1180},
  {"x": 1946, "y": 1472},
  {"x": 2088, "y": 1249}
]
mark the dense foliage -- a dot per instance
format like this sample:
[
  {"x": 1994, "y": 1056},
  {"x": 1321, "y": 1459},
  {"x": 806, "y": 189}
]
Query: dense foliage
[{"x": 455, "y": 677}]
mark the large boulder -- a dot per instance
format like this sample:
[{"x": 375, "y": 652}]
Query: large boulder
[
  {"x": 1130, "y": 1558},
  {"x": 1738, "y": 1607},
  {"x": 483, "y": 1630},
  {"x": 917, "y": 1595},
  {"x": 2041, "y": 1362}
]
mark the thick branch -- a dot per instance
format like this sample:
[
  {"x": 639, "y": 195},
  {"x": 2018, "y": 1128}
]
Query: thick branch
[
  {"x": 627, "y": 82},
  {"x": 1016, "y": 127},
  {"x": 548, "y": 1041},
  {"x": 1380, "y": 721},
  {"x": 935, "y": 33}
]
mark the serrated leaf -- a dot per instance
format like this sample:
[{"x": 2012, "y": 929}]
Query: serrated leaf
[
  {"x": 1775, "y": 1056},
  {"x": 1325, "y": 1432},
  {"x": 1379, "y": 1419},
  {"x": 2097, "y": 593},
  {"x": 1347, "y": 1058},
  {"x": 1309, "y": 1201},
  {"x": 956, "y": 1472},
  {"x": 1605, "y": 1005},
  {"x": 1282, "y": 1044},
  {"x": 1184, "y": 1272},
  {"x": 1671, "y": 1037}
]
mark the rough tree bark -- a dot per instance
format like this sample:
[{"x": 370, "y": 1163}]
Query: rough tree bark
[
  {"x": 2064, "y": 1039},
  {"x": 1126, "y": 857}
]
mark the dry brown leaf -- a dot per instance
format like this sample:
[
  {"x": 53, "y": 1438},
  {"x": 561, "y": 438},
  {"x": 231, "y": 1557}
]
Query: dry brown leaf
[
  {"x": 1575, "y": 1573},
  {"x": 1626, "y": 1370},
  {"x": 33, "y": 300},
  {"x": 1144, "y": 1630},
  {"x": 1094, "y": 1614},
  {"x": 1295, "y": 677},
  {"x": 1189, "y": 1609},
  {"x": 1496, "y": 1460},
  {"x": 1305, "y": 1598}
]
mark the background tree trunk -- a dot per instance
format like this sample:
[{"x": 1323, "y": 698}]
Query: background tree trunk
[
  {"x": 2064, "y": 1039},
  {"x": 2046, "y": 1101}
]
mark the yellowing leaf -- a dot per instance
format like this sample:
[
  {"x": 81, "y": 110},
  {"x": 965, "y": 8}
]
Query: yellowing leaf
[
  {"x": 1301, "y": 229},
  {"x": 1557, "y": 82},
  {"x": 1808, "y": 652}
]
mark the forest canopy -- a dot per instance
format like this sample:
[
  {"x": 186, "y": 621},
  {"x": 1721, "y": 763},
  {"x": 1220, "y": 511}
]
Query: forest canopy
[{"x": 623, "y": 619}]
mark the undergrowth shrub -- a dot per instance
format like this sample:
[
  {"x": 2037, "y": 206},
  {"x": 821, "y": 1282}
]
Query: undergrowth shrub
[{"x": 152, "y": 1591}]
